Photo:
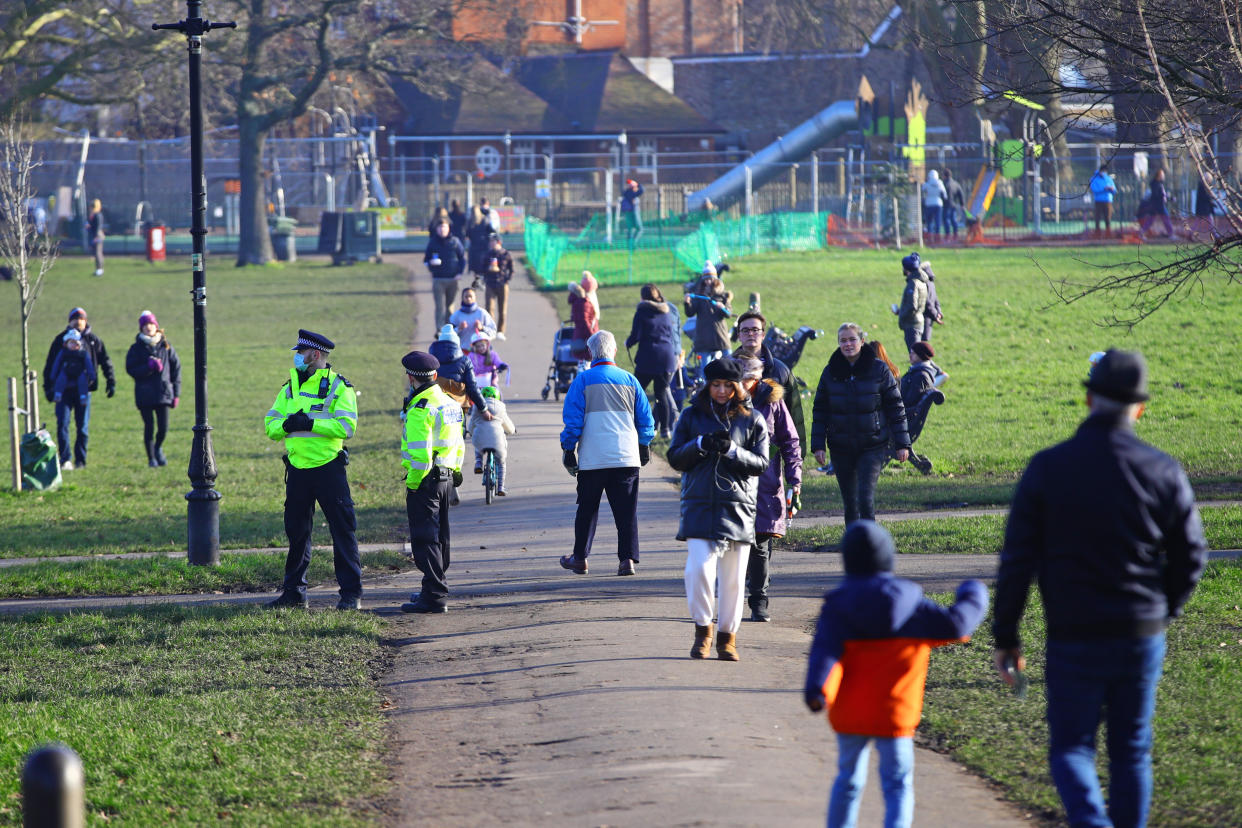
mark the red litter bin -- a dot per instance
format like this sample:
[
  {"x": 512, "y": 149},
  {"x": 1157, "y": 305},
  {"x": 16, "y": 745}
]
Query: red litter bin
[{"x": 155, "y": 242}]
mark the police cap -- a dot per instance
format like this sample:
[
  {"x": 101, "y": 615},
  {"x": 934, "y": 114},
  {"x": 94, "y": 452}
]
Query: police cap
[
  {"x": 420, "y": 364},
  {"x": 310, "y": 339}
]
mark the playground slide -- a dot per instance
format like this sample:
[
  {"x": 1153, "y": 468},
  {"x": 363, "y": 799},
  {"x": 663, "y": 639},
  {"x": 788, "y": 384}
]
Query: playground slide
[{"x": 771, "y": 161}]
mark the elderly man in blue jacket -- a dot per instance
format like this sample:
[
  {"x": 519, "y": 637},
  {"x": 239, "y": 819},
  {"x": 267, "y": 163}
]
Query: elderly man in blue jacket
[{"x": 607, "y": 436}]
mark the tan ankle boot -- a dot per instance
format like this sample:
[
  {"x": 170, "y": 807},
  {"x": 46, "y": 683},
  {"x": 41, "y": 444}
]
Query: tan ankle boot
[
  {"x": 702, "y": 641},
  {"x": 726, "y": 647}
]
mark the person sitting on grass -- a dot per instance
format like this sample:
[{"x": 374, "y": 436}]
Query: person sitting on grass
[
  {"x": 868, "y": 665},
  {"x": 490, "y": 434}
]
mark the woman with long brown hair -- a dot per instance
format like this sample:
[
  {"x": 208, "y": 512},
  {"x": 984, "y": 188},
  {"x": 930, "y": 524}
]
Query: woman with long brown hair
[{"x": 720, "y": 445}]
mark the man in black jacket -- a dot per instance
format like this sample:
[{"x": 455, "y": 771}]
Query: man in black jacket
[
  {"x": 1109, "y": 526},
  {"x": 103, "y": 365},
  {"x": 446, "y": 259},
  {"x": 751, "y": 328}
]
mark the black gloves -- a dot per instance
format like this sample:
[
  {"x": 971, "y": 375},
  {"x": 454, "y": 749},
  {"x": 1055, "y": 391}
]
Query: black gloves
[
  {"x": 644, "y": 455},
  {"x": 111, "y": 388},
  {"x": 570, "y": 461},
  {"x": 457, "y": 478},
  {"x": 297, "y": 421},
  {"x": 718, "y": 442}
]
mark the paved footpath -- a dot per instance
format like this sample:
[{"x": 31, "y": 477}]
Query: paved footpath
[{"x": 547, "y": 698}]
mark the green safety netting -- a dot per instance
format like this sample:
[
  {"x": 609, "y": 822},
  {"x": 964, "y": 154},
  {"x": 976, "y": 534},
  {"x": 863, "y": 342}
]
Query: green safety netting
[{"x": 668, "y": 250}]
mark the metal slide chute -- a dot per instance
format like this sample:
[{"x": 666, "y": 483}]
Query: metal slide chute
[{"x": 771, "y": 161}]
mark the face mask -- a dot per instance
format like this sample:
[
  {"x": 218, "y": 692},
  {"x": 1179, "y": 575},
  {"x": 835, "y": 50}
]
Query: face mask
[
  {"x": 467, "y": 306},
  {"x": 299, "y": 362}
]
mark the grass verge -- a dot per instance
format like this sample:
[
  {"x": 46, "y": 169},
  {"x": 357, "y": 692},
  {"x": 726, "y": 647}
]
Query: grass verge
[
  {"x": 119, "y": 504},
  {"x": 173, "y": 576},
  {"x": 985, "y": 534},
  {"x": 1016, "y": 357},
  {"x": 1198, "y": 724},
  {"x": 185, "y": 716}
]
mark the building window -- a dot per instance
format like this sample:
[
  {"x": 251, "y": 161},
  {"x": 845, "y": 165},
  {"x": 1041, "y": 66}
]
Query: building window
[
  {"x": 524, "y": 157},
  {"x": 644, "y": 155}
]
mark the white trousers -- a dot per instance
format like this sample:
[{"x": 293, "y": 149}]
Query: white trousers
[{"x": 705, "y": 570}]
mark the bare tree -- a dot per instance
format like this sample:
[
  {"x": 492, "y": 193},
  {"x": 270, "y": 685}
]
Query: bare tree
[
  {"x": 1164, "y": 72},
  {"x": 72, "y": 50},
  {"x": 27, "y": 253}
]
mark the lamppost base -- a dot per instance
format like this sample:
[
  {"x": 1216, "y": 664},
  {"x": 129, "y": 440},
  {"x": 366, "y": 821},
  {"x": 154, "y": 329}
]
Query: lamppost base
[{"x": 203, "y": 527}]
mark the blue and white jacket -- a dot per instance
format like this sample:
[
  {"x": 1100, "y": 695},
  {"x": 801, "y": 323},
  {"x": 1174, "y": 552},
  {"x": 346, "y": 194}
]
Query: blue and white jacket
[{"x": 607, "y": 416}]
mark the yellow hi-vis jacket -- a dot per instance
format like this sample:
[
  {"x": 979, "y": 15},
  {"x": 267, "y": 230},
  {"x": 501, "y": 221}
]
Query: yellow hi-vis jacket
[
  {"x": 329, "y": 400},
  {"x": 432, "y": 435}
]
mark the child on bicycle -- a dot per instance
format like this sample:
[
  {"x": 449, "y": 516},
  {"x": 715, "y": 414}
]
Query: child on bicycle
[
  {"x": 486, "y": 362},
  {"x": 490, "y": 434}
]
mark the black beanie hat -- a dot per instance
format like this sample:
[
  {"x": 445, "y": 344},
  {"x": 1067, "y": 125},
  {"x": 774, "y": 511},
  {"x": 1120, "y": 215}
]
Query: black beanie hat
[
  {"x": 724, "y": 368},
  {"x": 867, "y": 548}
]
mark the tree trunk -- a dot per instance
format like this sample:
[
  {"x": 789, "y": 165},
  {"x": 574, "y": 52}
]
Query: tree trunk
[{"x": 254, "y": 245}]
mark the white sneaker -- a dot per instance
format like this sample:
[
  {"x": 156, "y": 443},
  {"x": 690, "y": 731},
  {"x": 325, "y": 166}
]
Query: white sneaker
[
  {"x": 500, "y": 335},
  {"x": 99, "y": 271},
  {"x": 67, "y": 465}
]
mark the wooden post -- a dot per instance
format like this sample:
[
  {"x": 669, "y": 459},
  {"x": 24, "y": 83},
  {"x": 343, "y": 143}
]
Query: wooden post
[{"x": 15, "y": 452}]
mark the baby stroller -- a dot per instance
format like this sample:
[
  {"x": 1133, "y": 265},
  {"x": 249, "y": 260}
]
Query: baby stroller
[
  {"x": 786, "y": 348},
  {"x": 564, "y": 365}
]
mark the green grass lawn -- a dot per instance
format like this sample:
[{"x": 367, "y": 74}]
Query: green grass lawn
[
  {"x": 984, "y": 534},
  {"x": 172, "y": 576},
  {"x": 118, "y": 503},
  {"x": 1016, "y": 358},
  {"x": 1198, "y": 724},
  {"x": 187, "y": 716}
]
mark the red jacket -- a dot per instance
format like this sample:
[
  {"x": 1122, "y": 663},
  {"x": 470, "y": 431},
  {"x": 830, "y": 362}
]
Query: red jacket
[{"x": 869, "y": 658}]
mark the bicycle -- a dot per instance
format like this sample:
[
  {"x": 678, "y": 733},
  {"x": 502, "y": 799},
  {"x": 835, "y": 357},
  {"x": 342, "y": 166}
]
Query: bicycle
[{"x": 489, "y": 475}]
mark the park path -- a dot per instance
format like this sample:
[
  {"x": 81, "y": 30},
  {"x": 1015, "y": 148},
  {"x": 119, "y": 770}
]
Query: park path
[{"x": 546, "y": 698}]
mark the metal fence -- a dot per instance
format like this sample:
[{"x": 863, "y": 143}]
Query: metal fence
[{"x": 139, "y": 180}]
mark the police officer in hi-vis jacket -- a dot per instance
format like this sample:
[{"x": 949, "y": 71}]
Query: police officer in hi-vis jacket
[
  {"x": 314, "y": 413},
  {"x": 432, "y": 452}
]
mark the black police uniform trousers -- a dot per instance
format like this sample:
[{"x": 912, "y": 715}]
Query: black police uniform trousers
[
  {"x": 427, "y": 508},
  {"x": 327, "y": 486}
]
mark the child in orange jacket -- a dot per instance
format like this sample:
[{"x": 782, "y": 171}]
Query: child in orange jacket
[{"x": 868, "y": 665}]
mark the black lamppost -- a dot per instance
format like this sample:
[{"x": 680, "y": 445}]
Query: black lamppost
[{"x": 203, "y": 514}]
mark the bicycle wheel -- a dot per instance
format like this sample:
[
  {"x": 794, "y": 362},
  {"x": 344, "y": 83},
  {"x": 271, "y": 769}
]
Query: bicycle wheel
[{"x": 489, "y": 475}]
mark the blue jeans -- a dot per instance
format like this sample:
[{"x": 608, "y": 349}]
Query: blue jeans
[
  {"x": 1118, "y": 678},
  {"x": 857, "y": 474},
  {"x": 896, "y": 779},
  {"x": 81, "y": 412},
  {"x": 931, "y": 218}
]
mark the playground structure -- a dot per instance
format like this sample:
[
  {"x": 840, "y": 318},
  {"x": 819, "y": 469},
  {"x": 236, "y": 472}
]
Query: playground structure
[{"x": 861, "y": 191}]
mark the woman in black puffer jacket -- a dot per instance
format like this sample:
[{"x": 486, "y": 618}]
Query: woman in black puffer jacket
[
  {"x": 657, "y": 332},
  {"x": 857, "y": 410},
  {"x": 720, "y": 445},
  {"x": 156, "y": 370}
]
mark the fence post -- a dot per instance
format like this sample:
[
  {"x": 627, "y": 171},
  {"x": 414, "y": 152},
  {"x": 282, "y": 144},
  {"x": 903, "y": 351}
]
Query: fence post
[
  {"x": 608, "y": 201},
  {"x": 815, "y": 183},
  {"x": 750, "y": 195},
  {"x": 53, "y": 788},
  {"x": 793, "y": 187},
  {"x": 896, "y": 223},
  {"x": 15, "y": 453}
]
